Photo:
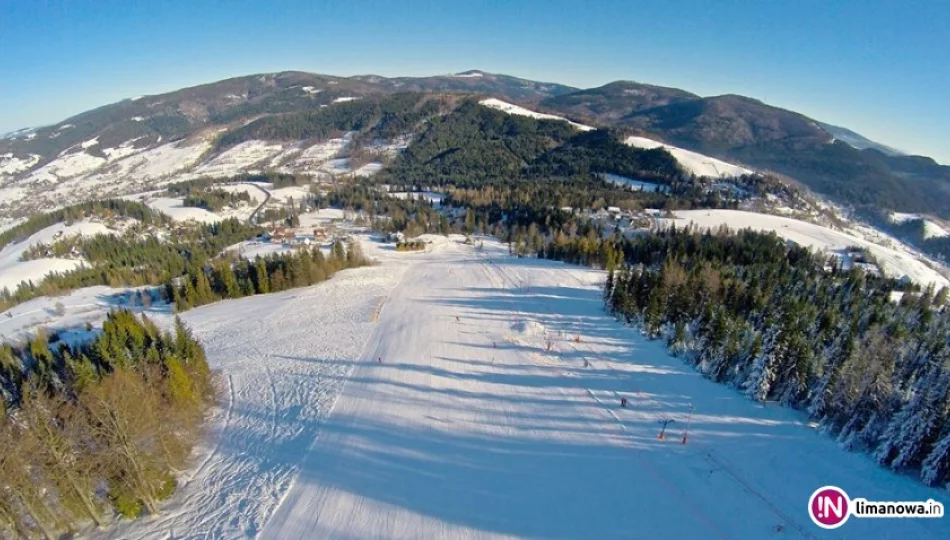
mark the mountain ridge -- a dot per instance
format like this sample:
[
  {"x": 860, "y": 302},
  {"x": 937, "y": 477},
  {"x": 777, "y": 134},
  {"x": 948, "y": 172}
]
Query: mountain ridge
[{"x": 731, "y": 127}]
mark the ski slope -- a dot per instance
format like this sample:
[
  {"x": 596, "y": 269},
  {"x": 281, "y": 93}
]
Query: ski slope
[
  {"x": 509, "y": 108},
  {"x": 486, "y": 419},
  {"x": 693, "y": 162}
]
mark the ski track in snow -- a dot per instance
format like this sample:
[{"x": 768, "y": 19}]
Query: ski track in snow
[{"x": 487, "y": 419}]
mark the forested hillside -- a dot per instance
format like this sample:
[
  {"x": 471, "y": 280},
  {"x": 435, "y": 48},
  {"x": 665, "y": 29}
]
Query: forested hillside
[
  {"x": 381, "y": 117},
  {"x": 474, "y": 145}
]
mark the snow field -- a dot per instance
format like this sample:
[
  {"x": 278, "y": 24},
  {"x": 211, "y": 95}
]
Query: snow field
[
  {"x": 10, "y": 164},
  {"x": 693, "y": 162},
  {"x": 634, "y": 185},
  {"x": 86, "y": 305},
  {"x": 369, "y": 169},
  {"x": 297, "y": 193},
  {"x": 509, "y": 108},
  {"x": 13, "y": 271},
  {"x": 931, "y": 229},
  {"x": 896, "y": 263},
  {"x": 239, "y": 158},
  {"x": 174, "y": 209},
  {"x": 65, "y": 166}
]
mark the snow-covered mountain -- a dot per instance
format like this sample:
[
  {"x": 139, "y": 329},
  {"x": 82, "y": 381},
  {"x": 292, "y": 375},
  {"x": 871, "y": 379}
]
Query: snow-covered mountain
[
  {"x": 859, "y": 141},
  {"x": 137, "y": 142}
]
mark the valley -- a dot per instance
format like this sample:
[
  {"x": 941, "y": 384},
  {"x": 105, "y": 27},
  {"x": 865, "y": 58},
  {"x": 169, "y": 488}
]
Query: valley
[{"x": 474, "y": 305}]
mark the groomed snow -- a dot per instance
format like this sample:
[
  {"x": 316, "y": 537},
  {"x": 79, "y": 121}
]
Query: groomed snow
[
  {"x": 895, "y": 263},
  {"x": 487, "y": 419},
  {"x": 509, "y": 108},
  {"x": 693, "y": 162}
]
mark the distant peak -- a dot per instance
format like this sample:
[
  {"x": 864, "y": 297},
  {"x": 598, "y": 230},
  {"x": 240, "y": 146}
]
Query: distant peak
[{"x": 470, "y": 73}]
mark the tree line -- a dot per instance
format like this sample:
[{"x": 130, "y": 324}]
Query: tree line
[
  {"x": 238, "y": 277},
  {"x": 98, "y": 429},
  {"x": 773, "y": 321},
  {"x": 103, "y": 208},
  {"x": 215, "y": 199}
]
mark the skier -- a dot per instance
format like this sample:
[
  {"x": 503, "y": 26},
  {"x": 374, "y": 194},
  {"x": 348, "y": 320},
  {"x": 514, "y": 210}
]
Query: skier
[
  {"x": 379, "y": 359},
  {"x": 457, "y": 319},
  {"x": 623, "y": 402}
]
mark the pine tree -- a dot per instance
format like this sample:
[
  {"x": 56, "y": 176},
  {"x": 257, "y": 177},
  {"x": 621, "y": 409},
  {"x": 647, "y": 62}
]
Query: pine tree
[
  {"x": 203, "y": 290},
  {"x": 758, "y": 384},
  {"x": 935, "y": 470},
  {"x": 261, "y": 280}
]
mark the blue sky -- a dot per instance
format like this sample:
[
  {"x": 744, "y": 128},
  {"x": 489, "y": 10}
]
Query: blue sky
[{"x": 881, "y": 68}]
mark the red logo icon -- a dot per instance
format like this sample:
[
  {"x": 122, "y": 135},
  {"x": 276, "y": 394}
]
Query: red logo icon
[{"x": 829, "y": 507}]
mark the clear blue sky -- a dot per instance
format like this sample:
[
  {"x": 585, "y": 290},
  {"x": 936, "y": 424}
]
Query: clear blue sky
[{"x": 881, "y": 68}]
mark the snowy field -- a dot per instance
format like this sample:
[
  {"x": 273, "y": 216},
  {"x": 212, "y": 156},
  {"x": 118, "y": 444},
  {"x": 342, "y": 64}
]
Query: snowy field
[
  {"x": 487, "y": 419},
  {"x": 173, "y": 208},
  {"x": 368, "y": 170},
  {"x": 10, "y": 164},
  {"x": 297, "y": 193},
  {"x": 70, "y": 311},
  {"x": 239, "y": 158},
  {"x": 634, "y": 185},
  {"x": 895, "y": 262},
  {"x": 509, "y": 108},
  {"x": 693, "y": 162},
  {"x": 13, "y": 271}
]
